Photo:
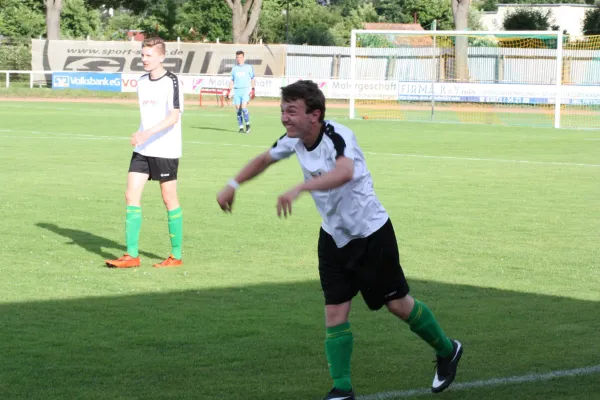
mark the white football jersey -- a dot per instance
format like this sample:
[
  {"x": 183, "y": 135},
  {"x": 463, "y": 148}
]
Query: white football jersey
[
  {"x": 157, "y": 98},
  {"x": 352, "y": 210}
]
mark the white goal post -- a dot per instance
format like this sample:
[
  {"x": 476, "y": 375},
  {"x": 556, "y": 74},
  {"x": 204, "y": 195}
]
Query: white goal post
[{"x": 497, "y": 77}]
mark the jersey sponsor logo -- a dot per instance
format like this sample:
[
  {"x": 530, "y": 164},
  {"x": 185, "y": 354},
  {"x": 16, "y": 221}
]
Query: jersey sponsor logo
[{"x": 149, "y": 102}]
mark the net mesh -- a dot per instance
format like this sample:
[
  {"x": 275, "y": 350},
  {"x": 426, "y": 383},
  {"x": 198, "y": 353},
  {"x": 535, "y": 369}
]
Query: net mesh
[{"x": 491, "y": 79}]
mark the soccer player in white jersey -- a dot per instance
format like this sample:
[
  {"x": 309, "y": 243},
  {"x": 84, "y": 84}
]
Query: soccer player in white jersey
[
  {"x": 242, "y": 83},
  {"x": 357, "y": 246},
  {"x": 156, "y": 153}
]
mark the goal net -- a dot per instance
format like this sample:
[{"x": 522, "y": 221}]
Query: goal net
[{"x": 529, "y": 78}]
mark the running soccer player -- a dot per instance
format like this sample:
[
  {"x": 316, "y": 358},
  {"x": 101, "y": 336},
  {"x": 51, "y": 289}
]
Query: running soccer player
[
  {"x": 242, "y": 83},
  {"x": 156, "y": 154},
  {"x": 357, "y": 247}
]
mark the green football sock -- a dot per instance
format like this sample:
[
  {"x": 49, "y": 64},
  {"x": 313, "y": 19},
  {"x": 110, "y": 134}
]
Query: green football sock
[
  {"x": 133, "y": 224},
  {"x": 423, "y": 323},
  {"x": 175, "y": 231},
  {"x": 338, "y": 348}
]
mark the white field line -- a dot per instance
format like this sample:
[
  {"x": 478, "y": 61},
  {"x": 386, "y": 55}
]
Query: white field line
[
  {"x": 93, "y": 137},
  {"x": 487, "y": 383}
]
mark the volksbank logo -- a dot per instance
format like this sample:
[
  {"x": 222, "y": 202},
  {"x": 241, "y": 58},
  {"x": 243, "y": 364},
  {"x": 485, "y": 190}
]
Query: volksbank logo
[
  {"x": 91, "y": 81},
  {"x": 60, "y": 81}
]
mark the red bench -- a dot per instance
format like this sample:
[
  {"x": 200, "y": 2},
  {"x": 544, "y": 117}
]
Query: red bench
[{"x": 220, "y": 94}]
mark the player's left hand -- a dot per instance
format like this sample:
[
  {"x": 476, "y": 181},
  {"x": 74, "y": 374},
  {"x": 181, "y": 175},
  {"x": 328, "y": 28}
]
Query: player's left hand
[
  {"x": 138, "y": 138},
  {"x": 284, "y": 202},
  {"x": 252, "y": 94}
]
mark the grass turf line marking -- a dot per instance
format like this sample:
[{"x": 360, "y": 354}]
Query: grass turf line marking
[{"x": 488, "y": 383}]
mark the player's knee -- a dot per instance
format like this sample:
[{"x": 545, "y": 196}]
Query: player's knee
[
  {"x": 336, "y": 314},
  {"x": 239, "y": 111},
  {"x": 132, "y": 198},
  {"x": 401, "y": 307},
  {"x": 169, "y": 197}
]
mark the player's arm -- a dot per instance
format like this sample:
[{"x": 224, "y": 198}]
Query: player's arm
[
  {"x": 142, "y": 136},
  {"x": 342, "y": 173},
  {"x": 231, "y": 83},
  {"x": 254, "y": 168},
  {"x": 252, "y": 83}
]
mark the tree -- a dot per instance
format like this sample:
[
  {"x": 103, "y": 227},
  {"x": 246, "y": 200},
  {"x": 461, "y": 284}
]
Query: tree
[
  {"x": 591, "y": 22},
  {"x": 205, "y": 20},
  {"x": 244, "y": 18},
  {"x": 79, "y": 21},
  {"x": 528, "y": 19},
  {"x": 354, "y": 20},
  {"x": 460, "y": 12},
  {"x": 391, "y": 11},
  {"x": 429, "y": 10},
  {"x": 22, "y": 18},
  {"x": 53, "y": 10}
]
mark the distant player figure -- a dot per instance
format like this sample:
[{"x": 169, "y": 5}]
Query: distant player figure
[
  {"x": 242, "y": 83},
  {"x": 357, "y": 246},
  {"x": 156, "y": 154}
]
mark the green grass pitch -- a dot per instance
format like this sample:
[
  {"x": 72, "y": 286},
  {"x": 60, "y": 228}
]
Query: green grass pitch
[{"x": 498, "y": 230}]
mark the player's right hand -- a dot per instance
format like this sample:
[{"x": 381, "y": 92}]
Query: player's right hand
[{"x": 225, "y": 198}]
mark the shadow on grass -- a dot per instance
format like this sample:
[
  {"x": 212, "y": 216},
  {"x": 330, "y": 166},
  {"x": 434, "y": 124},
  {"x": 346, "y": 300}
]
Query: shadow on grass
[
  {"x": 212, "y": 128},
  {"x": 266, "y": 342},
  {"x": 92, "y": 243}
]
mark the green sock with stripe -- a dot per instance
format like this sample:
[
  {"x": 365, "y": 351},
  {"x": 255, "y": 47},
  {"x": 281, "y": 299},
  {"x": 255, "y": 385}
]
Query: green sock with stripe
[
  {"x": 338, "y": 348},
  {"x": 133, "y": 225},
  {"x": 422, "y": 322},
  {"x": 176, "y": 231}
]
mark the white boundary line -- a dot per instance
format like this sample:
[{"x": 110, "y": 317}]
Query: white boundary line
[
  {"x": 76, "y": 136},
  {"x": 488, "y": 383}
]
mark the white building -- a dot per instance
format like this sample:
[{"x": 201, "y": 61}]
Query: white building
[{"x": 568, "y": 16}]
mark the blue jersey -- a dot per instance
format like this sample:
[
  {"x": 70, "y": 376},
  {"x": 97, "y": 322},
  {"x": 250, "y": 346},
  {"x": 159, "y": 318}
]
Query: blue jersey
[{"x": 241, "y": 75}]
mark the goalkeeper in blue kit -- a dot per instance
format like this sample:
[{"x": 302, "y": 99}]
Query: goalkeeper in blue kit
[{"x": 242, "y": 83}]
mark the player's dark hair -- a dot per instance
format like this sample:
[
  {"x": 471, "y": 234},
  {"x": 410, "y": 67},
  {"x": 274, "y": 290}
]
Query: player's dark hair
[
  {"x": 155, "y": 42},
  {"x": 237, "y": 53},
  {"x": 309, "y": 92}
]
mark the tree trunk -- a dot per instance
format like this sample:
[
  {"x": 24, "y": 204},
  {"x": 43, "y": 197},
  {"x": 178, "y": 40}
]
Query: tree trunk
[
  {"x": 244, "y": 19},
  {"x": 53, "y": 9},
  {"x": 460, "y": 12}
]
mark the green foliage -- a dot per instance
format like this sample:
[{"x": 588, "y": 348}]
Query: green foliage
[
  {"x": 116, "y": 27},
  {"x": 430, "y": 10},
  {"x": 391, "y": 11},
  {"x": 162, "y": 18},
  {"x": 355, "y": 20},
  {"x": 311, "y": 25},
  {"x": 205, "y": 20},
  {"x": 15, "y": 55},
  {"x": 591, "y": 22},
  {"x": 528, "y": 19},
  {"x": 78, "y": 20},
  {"x": 373, "y": 40},
  {"x": 22, "y": 18}
]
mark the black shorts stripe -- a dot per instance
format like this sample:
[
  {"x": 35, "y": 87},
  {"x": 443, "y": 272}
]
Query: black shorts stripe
[{"x": 176, "y": 104}]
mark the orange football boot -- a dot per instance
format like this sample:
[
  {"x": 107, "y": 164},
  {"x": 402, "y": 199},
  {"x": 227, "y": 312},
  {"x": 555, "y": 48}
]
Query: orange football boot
[
  {"x": 124, "y": 262},
  {"x": 169, "y": 262}
]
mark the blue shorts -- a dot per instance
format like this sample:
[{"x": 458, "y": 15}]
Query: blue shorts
[{"x": 241, "y": 96}]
